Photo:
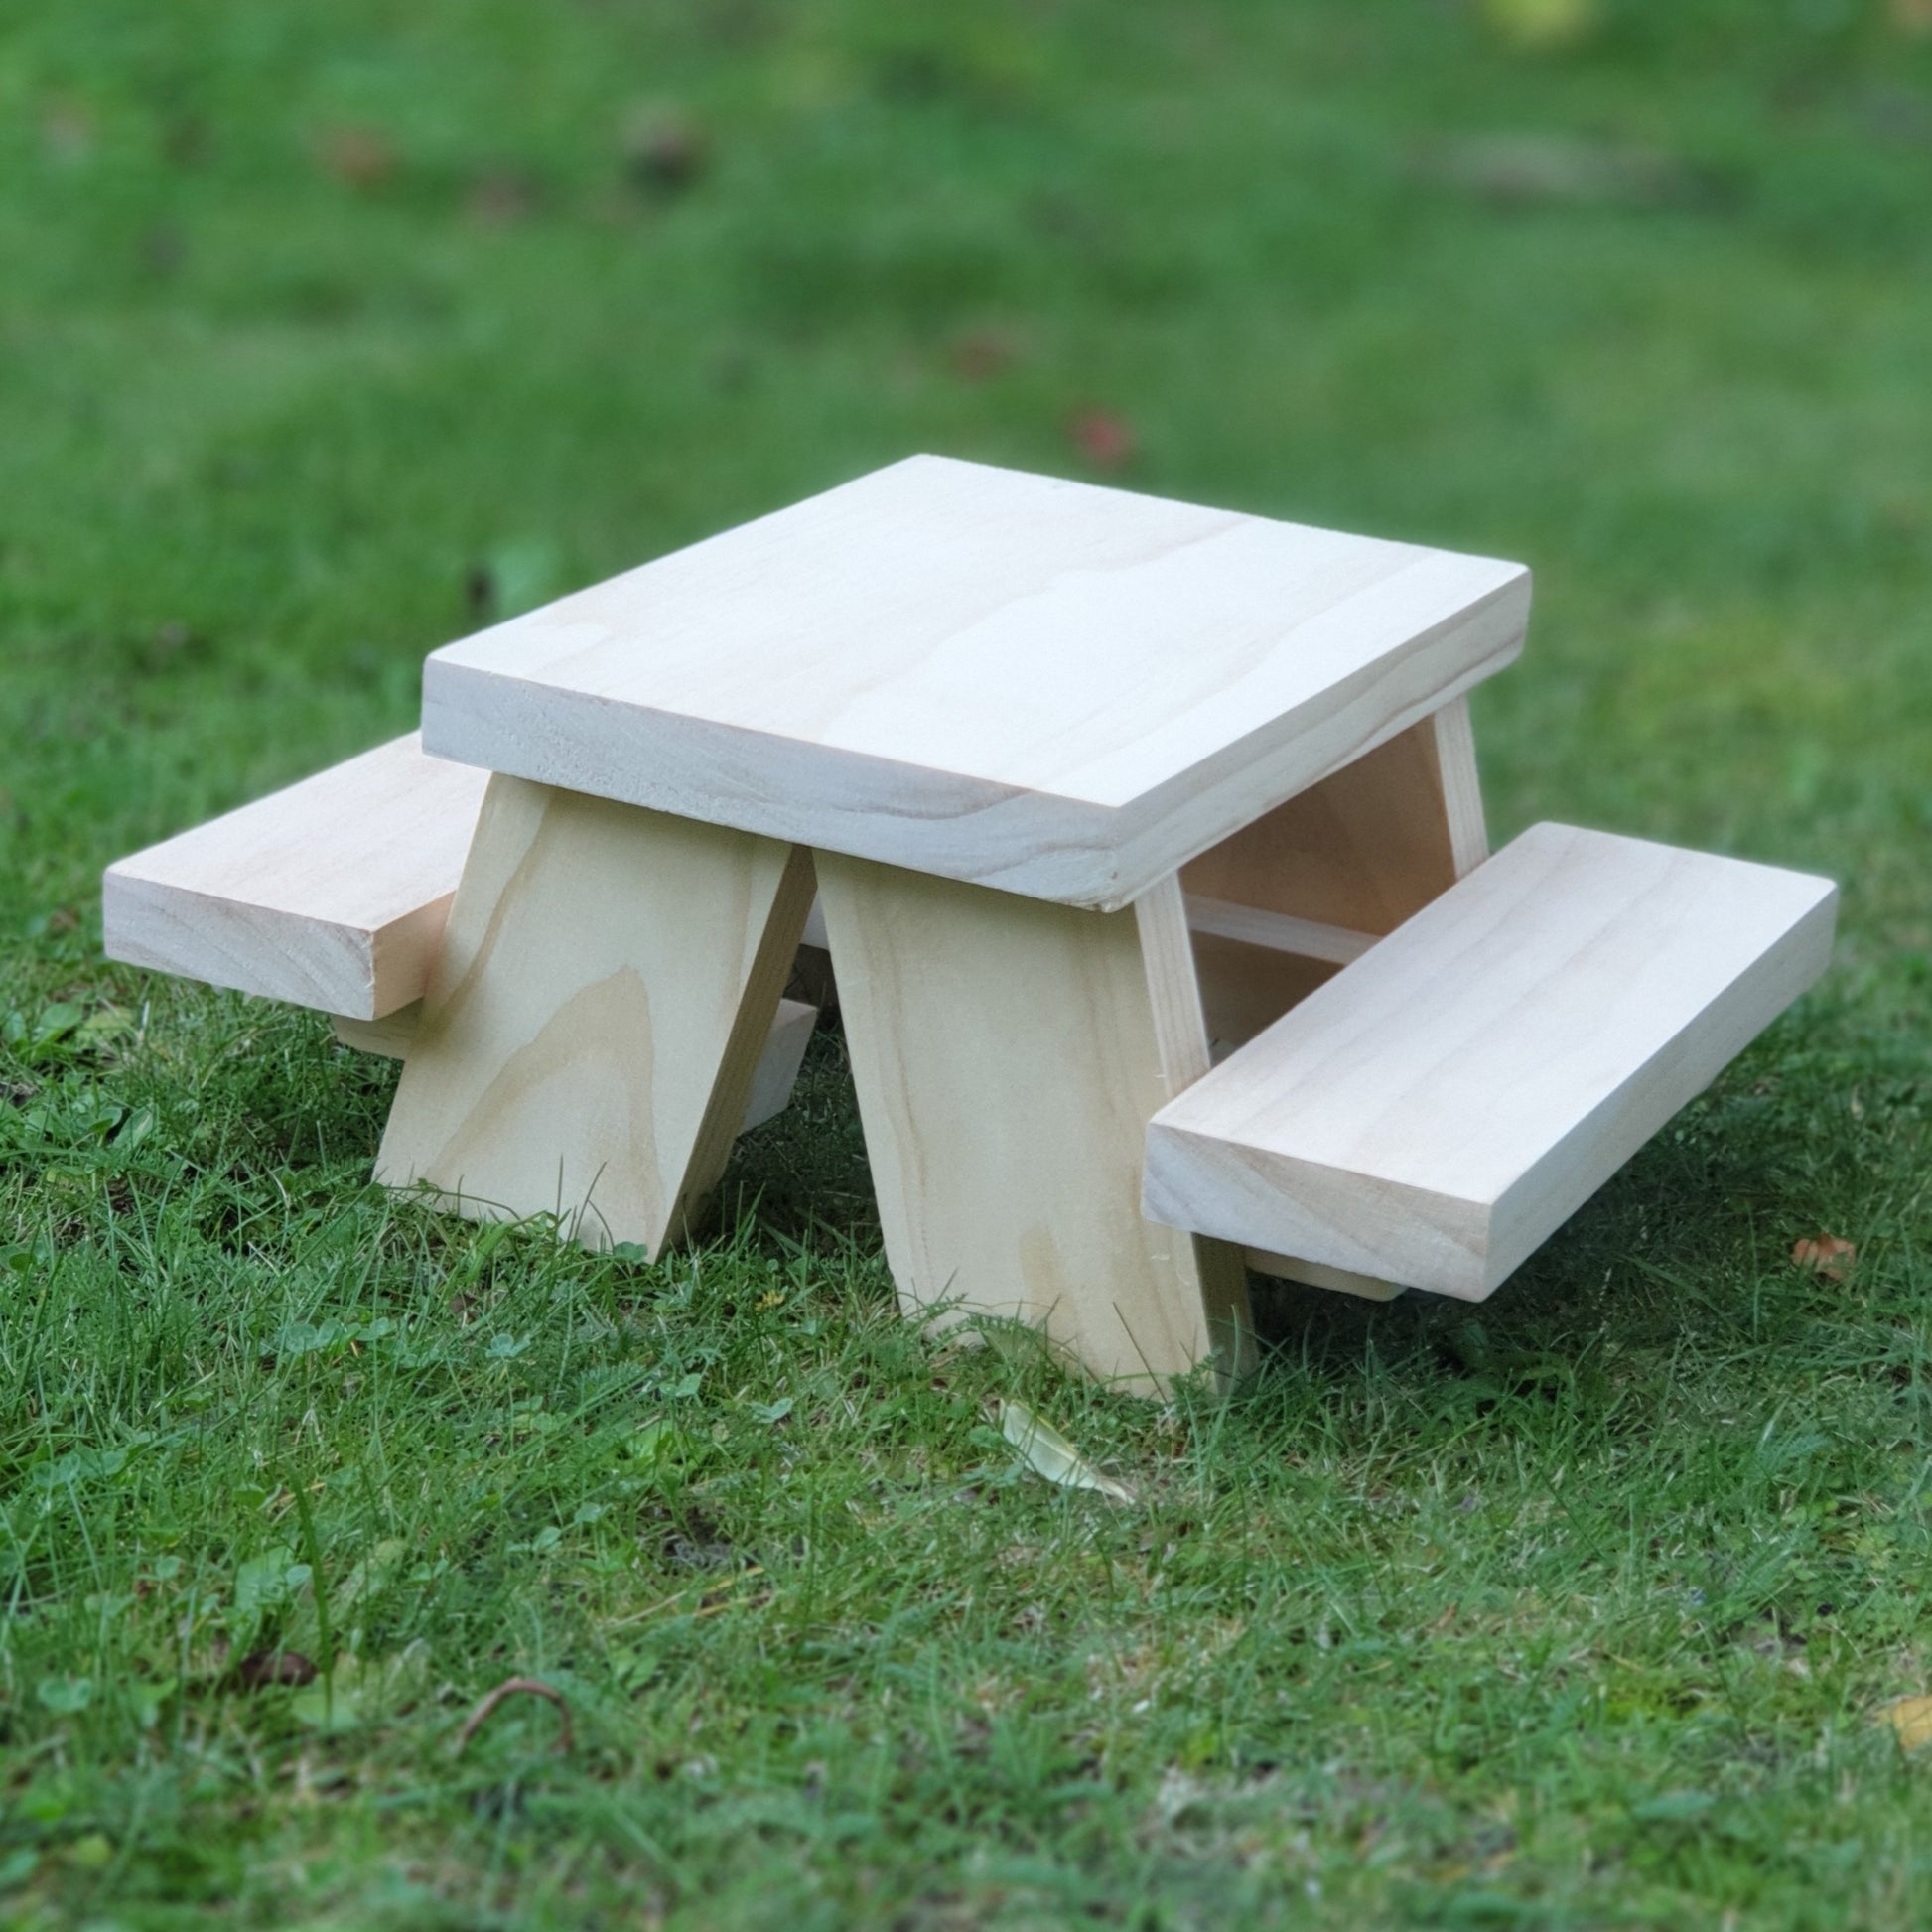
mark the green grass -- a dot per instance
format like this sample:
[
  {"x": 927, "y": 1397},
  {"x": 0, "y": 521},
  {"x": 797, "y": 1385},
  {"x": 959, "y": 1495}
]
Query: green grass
[{"x": 325, "y": 331}]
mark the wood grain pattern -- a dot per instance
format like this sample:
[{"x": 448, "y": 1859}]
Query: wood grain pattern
[
  {"x": 330, "y": 893},
  {"x": 772, "y": 1079},
  {"x": 1438, "y": 1109},
  {"x": 1312, "y": 1274},
  {"x": 1366, "y": 847},
  {"x": 1245, "y": 989},
  {"x": 1454, "y": 750},
  {"x": 387, "y": 1039},
  {"x": 1166, "y": 942},
  {"x": 592, "y": 1026},
  {"x": 779, "y": 1058},
  {"x": 1276, "y": 931},
  {"x": 1326, "y": 875},
  {"x": 1006, "y": 1054},
  {"x": 1058, "y": 689}
]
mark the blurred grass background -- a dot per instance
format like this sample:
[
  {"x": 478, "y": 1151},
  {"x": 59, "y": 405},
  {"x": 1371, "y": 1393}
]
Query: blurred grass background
[{"x": 329, "y": 333}]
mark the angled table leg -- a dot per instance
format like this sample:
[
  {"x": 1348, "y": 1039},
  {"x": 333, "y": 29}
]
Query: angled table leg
[
  {"x": 1007, "y": 1052},
  {"x": 606, "y": 983}
]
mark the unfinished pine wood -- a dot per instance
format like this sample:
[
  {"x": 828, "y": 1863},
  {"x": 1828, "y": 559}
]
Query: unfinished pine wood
[
  {"x": 812, "y": 979},
  {"x": 1006, "y": 1054},
  {"x": 1452, "y": 747},
  {"x": 1173, "y": 988},
  {"x": 330, "y": 893},
  {"x": 1366, "y": 847},
  {"x": 1057, "y": 689},
  {"x": 1438, "y": 1109},
  {"x": 778, "y": 1061},
  {"x": 1212, "y": 1271},
  {"x": 772, "y": 1079},
  {"x": 1276, "y": 931},
  {"x": 1312, "y": 1273},
  {"x": 1245, "y": 989},
  {"x": 591, "y": 1029},
  {"x": 1326, "y": 875},
  {"x": 388, "y": 1037}
]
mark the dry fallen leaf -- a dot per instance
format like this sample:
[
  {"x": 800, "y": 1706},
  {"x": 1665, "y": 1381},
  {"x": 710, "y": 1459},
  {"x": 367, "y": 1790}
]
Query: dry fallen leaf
[
  {"x": 1048, "y": 1453},
  {"x": 1911, "y": 1720},
  {"x": 501, "y": 197},
  {"x": 514, "y": 1687},
  {"x": 1913, "y": 16},
  {"x": 1827, "y": 1256},
  {"x": 359, "y": 156},
  {"x": 979, "y": 355},
  {"x": 665, "y": 148},
  {"x": 1105, "y": 439}
]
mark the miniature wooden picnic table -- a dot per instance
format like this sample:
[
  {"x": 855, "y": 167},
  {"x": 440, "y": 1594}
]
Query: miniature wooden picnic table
[{"x": 1094, "y": 790}]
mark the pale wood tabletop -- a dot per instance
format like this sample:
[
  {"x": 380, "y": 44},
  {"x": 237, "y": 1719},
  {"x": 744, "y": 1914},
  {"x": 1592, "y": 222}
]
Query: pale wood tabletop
[{"x": 1056, "y": 689}]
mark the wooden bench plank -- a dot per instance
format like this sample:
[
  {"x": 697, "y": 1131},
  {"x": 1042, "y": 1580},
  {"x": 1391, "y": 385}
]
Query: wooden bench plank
[
  {"x": 1440, "y": 1107},
  {"x": 333, "y": 893},
  {"x": 330, "y": 893}
]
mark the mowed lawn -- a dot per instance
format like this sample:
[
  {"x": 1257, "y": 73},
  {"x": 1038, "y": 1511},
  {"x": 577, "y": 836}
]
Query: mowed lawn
[{"x": 329, "y": 333}]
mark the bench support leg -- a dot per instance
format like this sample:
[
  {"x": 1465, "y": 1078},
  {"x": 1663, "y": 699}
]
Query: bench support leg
[
  {"x": 1007, "y": 1053},
  {"x": 607, "y": 982},
  {"x": 1318, "y": 1274},
  {"x": 1450, "y": 760}
]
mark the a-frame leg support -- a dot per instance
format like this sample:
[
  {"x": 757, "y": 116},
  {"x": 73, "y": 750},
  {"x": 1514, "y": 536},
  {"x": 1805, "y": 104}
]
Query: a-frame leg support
[
  {"x": 1007, "y": 1053},
  {"x": 608, "y": 980}
]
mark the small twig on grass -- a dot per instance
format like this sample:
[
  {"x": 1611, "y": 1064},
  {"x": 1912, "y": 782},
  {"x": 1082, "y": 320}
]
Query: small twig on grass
[
  {"x": 509, "y": 1687},
  {"x": 710, "y": 1588},
  {"x": 725, "y": 1603}
]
